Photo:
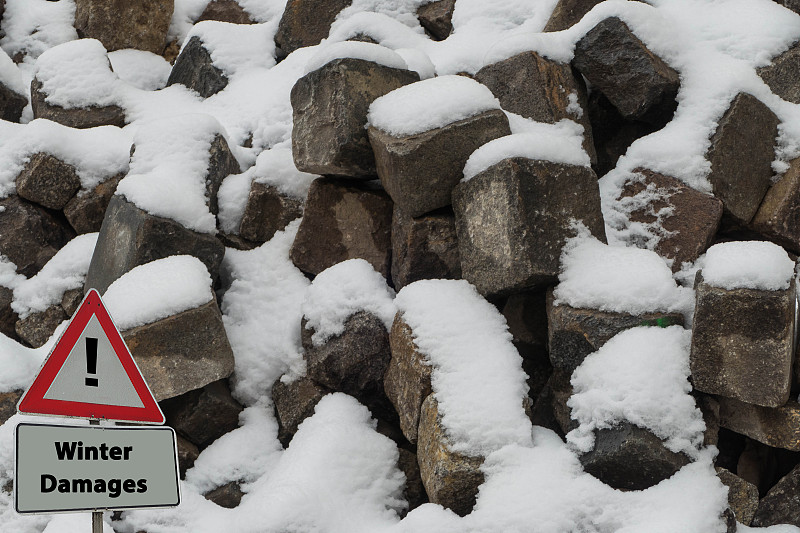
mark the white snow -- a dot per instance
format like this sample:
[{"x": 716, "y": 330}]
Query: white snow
[
  {"x": 615, "y": 278},
  {"x": 33, "y": 26},
  {"x": 356, "y": 50},
  {"x": 558, "y": 143},
  {"x": 430, "y": 104},
  {"x": 143, "y": 70},
  {"x": 64, "y": 271},
  {"x": 418, "y": 61},
  {"x": 157, "y": 290},
  {"x": 236, "y": 48},
  {"x": 639, "y": 376},
  {"x": 339, "y": 292},
  {"x": 477, "y": 375},
  {"x": 10, "y": 76},
  {"x": 748, "y": 265}
]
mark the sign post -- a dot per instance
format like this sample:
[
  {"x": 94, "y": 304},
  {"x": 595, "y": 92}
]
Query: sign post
[{"x": 90, "y": 373}]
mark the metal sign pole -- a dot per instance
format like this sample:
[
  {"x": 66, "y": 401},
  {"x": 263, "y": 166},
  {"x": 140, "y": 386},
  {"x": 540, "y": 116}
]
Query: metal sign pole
[{"x": 97, "y": 516}]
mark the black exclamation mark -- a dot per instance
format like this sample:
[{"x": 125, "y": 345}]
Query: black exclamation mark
[{"x": 91, "y": 361}]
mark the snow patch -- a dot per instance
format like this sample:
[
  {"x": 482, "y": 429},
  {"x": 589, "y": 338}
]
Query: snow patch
[
  {"x": 748, "y": 265},
  {"x": 355, "y": 50}
]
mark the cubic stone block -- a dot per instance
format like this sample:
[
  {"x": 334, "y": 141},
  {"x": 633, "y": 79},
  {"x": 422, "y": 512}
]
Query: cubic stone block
[
  {"x": 195, "y": 70},
  {"x": 778, "y": 216},
  {"x": 639, "y": 84},
  {"x": 267, "y": 211},
  {"x": 741, "y": 155},
  {"x": 742, "y": 496},
  {"x": 47, "y": 181},
  {"x": 513, "y": 218},
  {"x": 306, "y": 22},
  {"x": 783, "y": 74},
  {"x": 567, "y": 13},
  {"x": 419, "y": 171},
  {"x": 781, "y": 505},
  {"x": 778, "y": 427},
  {"x": 437, "y": 18},
  {"x": 74, "y": 117},
  {"x": 86, "y": 210},
  {"x": 203, "y": 415},
  {"x": 742, "y": 343},
  {"x": 131, "y": 237},
  {"x": 118, "y": 24},
  {"x": 344, "y": 220},
  {"x": 329, "y": 113},
  {"x": 294, "y": 402},
  {"x": 451, "y": 479},
  {"x": 182, "y": 352}
]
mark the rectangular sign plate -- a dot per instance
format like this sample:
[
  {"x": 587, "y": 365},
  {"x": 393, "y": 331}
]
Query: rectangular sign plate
[{"x": 81, "y": 468}]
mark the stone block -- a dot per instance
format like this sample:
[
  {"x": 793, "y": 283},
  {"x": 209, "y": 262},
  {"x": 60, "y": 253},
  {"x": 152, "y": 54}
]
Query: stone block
[
  {"x": 639, "y": 84},
  {"x": 8, "y": 317},
  {"x": 195, "y": 70},
  {"x": 425, "y": 247},
  {"x": 742, "y": 496},
  {"x": 203, "y": 415},
  {"x": 226, "y": 11},
  {"x": 228, "y": 495},
  {"x": 451, "y": 479},
  {"x": 526, "y": 315},
  {"x": 306, "y": 22},
  {"x": 8, "y": 404},
  {"x": 37, "y": 328},
  {"x": 437, "y": 18},
  {"x": 267, "y": 211},
  {"x": 86, "y": 210},
  {"x": 778, "y": 427},
  {"x": 329, "y": 113},
  {"x": 131, "y": 237},
  {"x": 11, "y": 102},
  {"x": 414, "y": 491},
  {"x": 74, "y": 117},
  {"x": 741, "y": 155},
  {"x": 628, "y": 457},
  {"x": 419, "y": 171},
  {"x": 783, "y": 74},
  {"x": 182, "y": 352},
  {"x": 294, "y": 402},
  {"x": 47, "y": 181},
  {"x": 513, "y": 219},
  {"x": 567, "y": 13},
  {"x": 778, "y": 216},
  {"x": 187, "y": 455},
  {"x": 71, "y": 299},
  {"x": 742, "y": 343},
  {"x": 119, "y": 24},
  {"x": 344, "y": 220},
  {"x": 781, "y": 505}
]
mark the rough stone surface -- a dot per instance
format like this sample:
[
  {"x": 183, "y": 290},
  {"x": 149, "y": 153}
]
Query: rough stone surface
[
  {"x": 183, "y": 352},
  {"x": 639, "y": 84},
  {"x": 306, "y": 22},
  {"x": 794, "y": 5},
  {"x": 294, "y": 402},
  {"x": 344, "y": 220},
  {"x": 741, "y": 155},
  {"x": 86, "y": 210},
  {"x": 557, "y": 393},
  {"x": 778, "y": 427},
  {"x": 567, "y": 13},
  {"x": 71, "y": 299},
  {"x": 30, "y": 235},
  {"x": 353, "y": 362},
  {"x": 783, "y": 74},
  {"x": 131, "y": 237},
  {"x": 419, "y": 171},
  {"x": 8, "y": 404},
  {"x": 526, "y": 315},
  {"x": 203, "y": 415},
  {"x": 74, "y": 117},
  {"x": 226, "y": 11},
  {"x": 631, "y": 458},
  {"x": 47, "y": 181},
  {"x": 228, "y": 495},
  {"x": 221, "y": 164},
  {"x": 414, "y": 491},
  {"x": 538, "y": 88},
  {"x": 778, "y": 216},
  {"x": 742, "y": 343},
  {"x": 8, "y": 317},
  {"x": 437, "y": 18},
  {"x": 11, "y": 102},
  {"x": 742, "y": 496},
  {"x": 689, "y": 218},
  {"x": 513, "y": 218},
  {"x": 118, "y": 24},
  {"x": 781, "y": 505},
  {"x": 187, "y": 455},
  {"x": 574, "y": 333},
  {"x": 329, "y": 112},
  {"x": 267, "y": 211},
  {"x": 424, "y": 248},
  {"x": 450, "y": 479},
  {"x": 37, "y": 328},
  {"x": 408, "y": 378},
  {"x": 195, "y": 70}
]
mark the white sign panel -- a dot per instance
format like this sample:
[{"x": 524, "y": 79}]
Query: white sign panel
[{"x": 81, "y": 468}]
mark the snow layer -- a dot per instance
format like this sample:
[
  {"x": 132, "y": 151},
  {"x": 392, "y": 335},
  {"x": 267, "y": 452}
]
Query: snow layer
[
  {"x": 10, "y": 76},
  {"x": 356, "y": 50},
  {"x": 639, "y": 376},
  {"x": 748, "y": 265},
  {"x": 33, "y": 26},
  {"x": 341, "y": 291},
  {"x": 157, "y": 290},
  {"x": 64, "y": 271},
  {"x": 477, "y": 373},
  {"x": 430, "y": 104},
  {"x": 143, "y": 70},
  {"x": 237, "y": 48},
  {"x": 615, "y": 278}
]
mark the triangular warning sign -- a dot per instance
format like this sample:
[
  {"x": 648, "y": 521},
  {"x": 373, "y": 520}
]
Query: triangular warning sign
[{"x": 91, "y": 374}]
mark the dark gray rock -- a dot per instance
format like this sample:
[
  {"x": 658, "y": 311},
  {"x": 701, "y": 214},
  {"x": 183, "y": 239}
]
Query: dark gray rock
[
  {"x": 306, "y": 22},
  {"x": 794, "y": 5},
  {"x": 11, "y": 102},
  {"x": 8, "y": 317},
  {"x": 182, "y": 352},
  {"x": 639, "y": 84},
  {"x": 118, "y": 24},
  {"x": 228, "y": 495},
  {"x": 203, "y": 415},
  {"x": 778, "y": 427},
  {"x": 30, "y": 235},
  {"x": 86, "y": 210},
  {"x": 741, "y": 155},
  {"x": 329, "y": 112},
  {"x": 226, "y": 11},
  {"x": 187, "y": 455},
  {"x": 742, "y": 496},
  {"x": 294, "y": 402},
  {"x": 437, "y": 18},
  {"x": 783, "y": 74},
  {"x": 526, "y": 315},
  {"x": 419, "y": 171},
  {"x": 47, "y": 181},
  {"x": 71, "y": 299},
  {"x": 37, "y": 328},
  {"x": 8, "y": 404},
  {"x": 74, "y": 117},
  {"x": 221, "y": 164},
  {"x": 567, "y": 13},
  {"x": 778, "y": 216},
  {"x": 424, "y": 248},
  {"x": 781, "y": 505},
  {"x": 267, "y": 211},
  {"x": 131, "y": 237},
  {"x": 631, "y": 458},
  {"x": 414, "y": 491},
  {"x": 742, "y": 343},
  {"x": 195, "y": 70},
  {"x": 513, "y": 219},
  {"x": 344, "y": 220}
]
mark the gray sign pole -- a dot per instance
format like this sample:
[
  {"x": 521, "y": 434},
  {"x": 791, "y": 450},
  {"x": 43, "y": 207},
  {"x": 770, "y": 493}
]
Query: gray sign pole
[{"x": 97, "y": 516}]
